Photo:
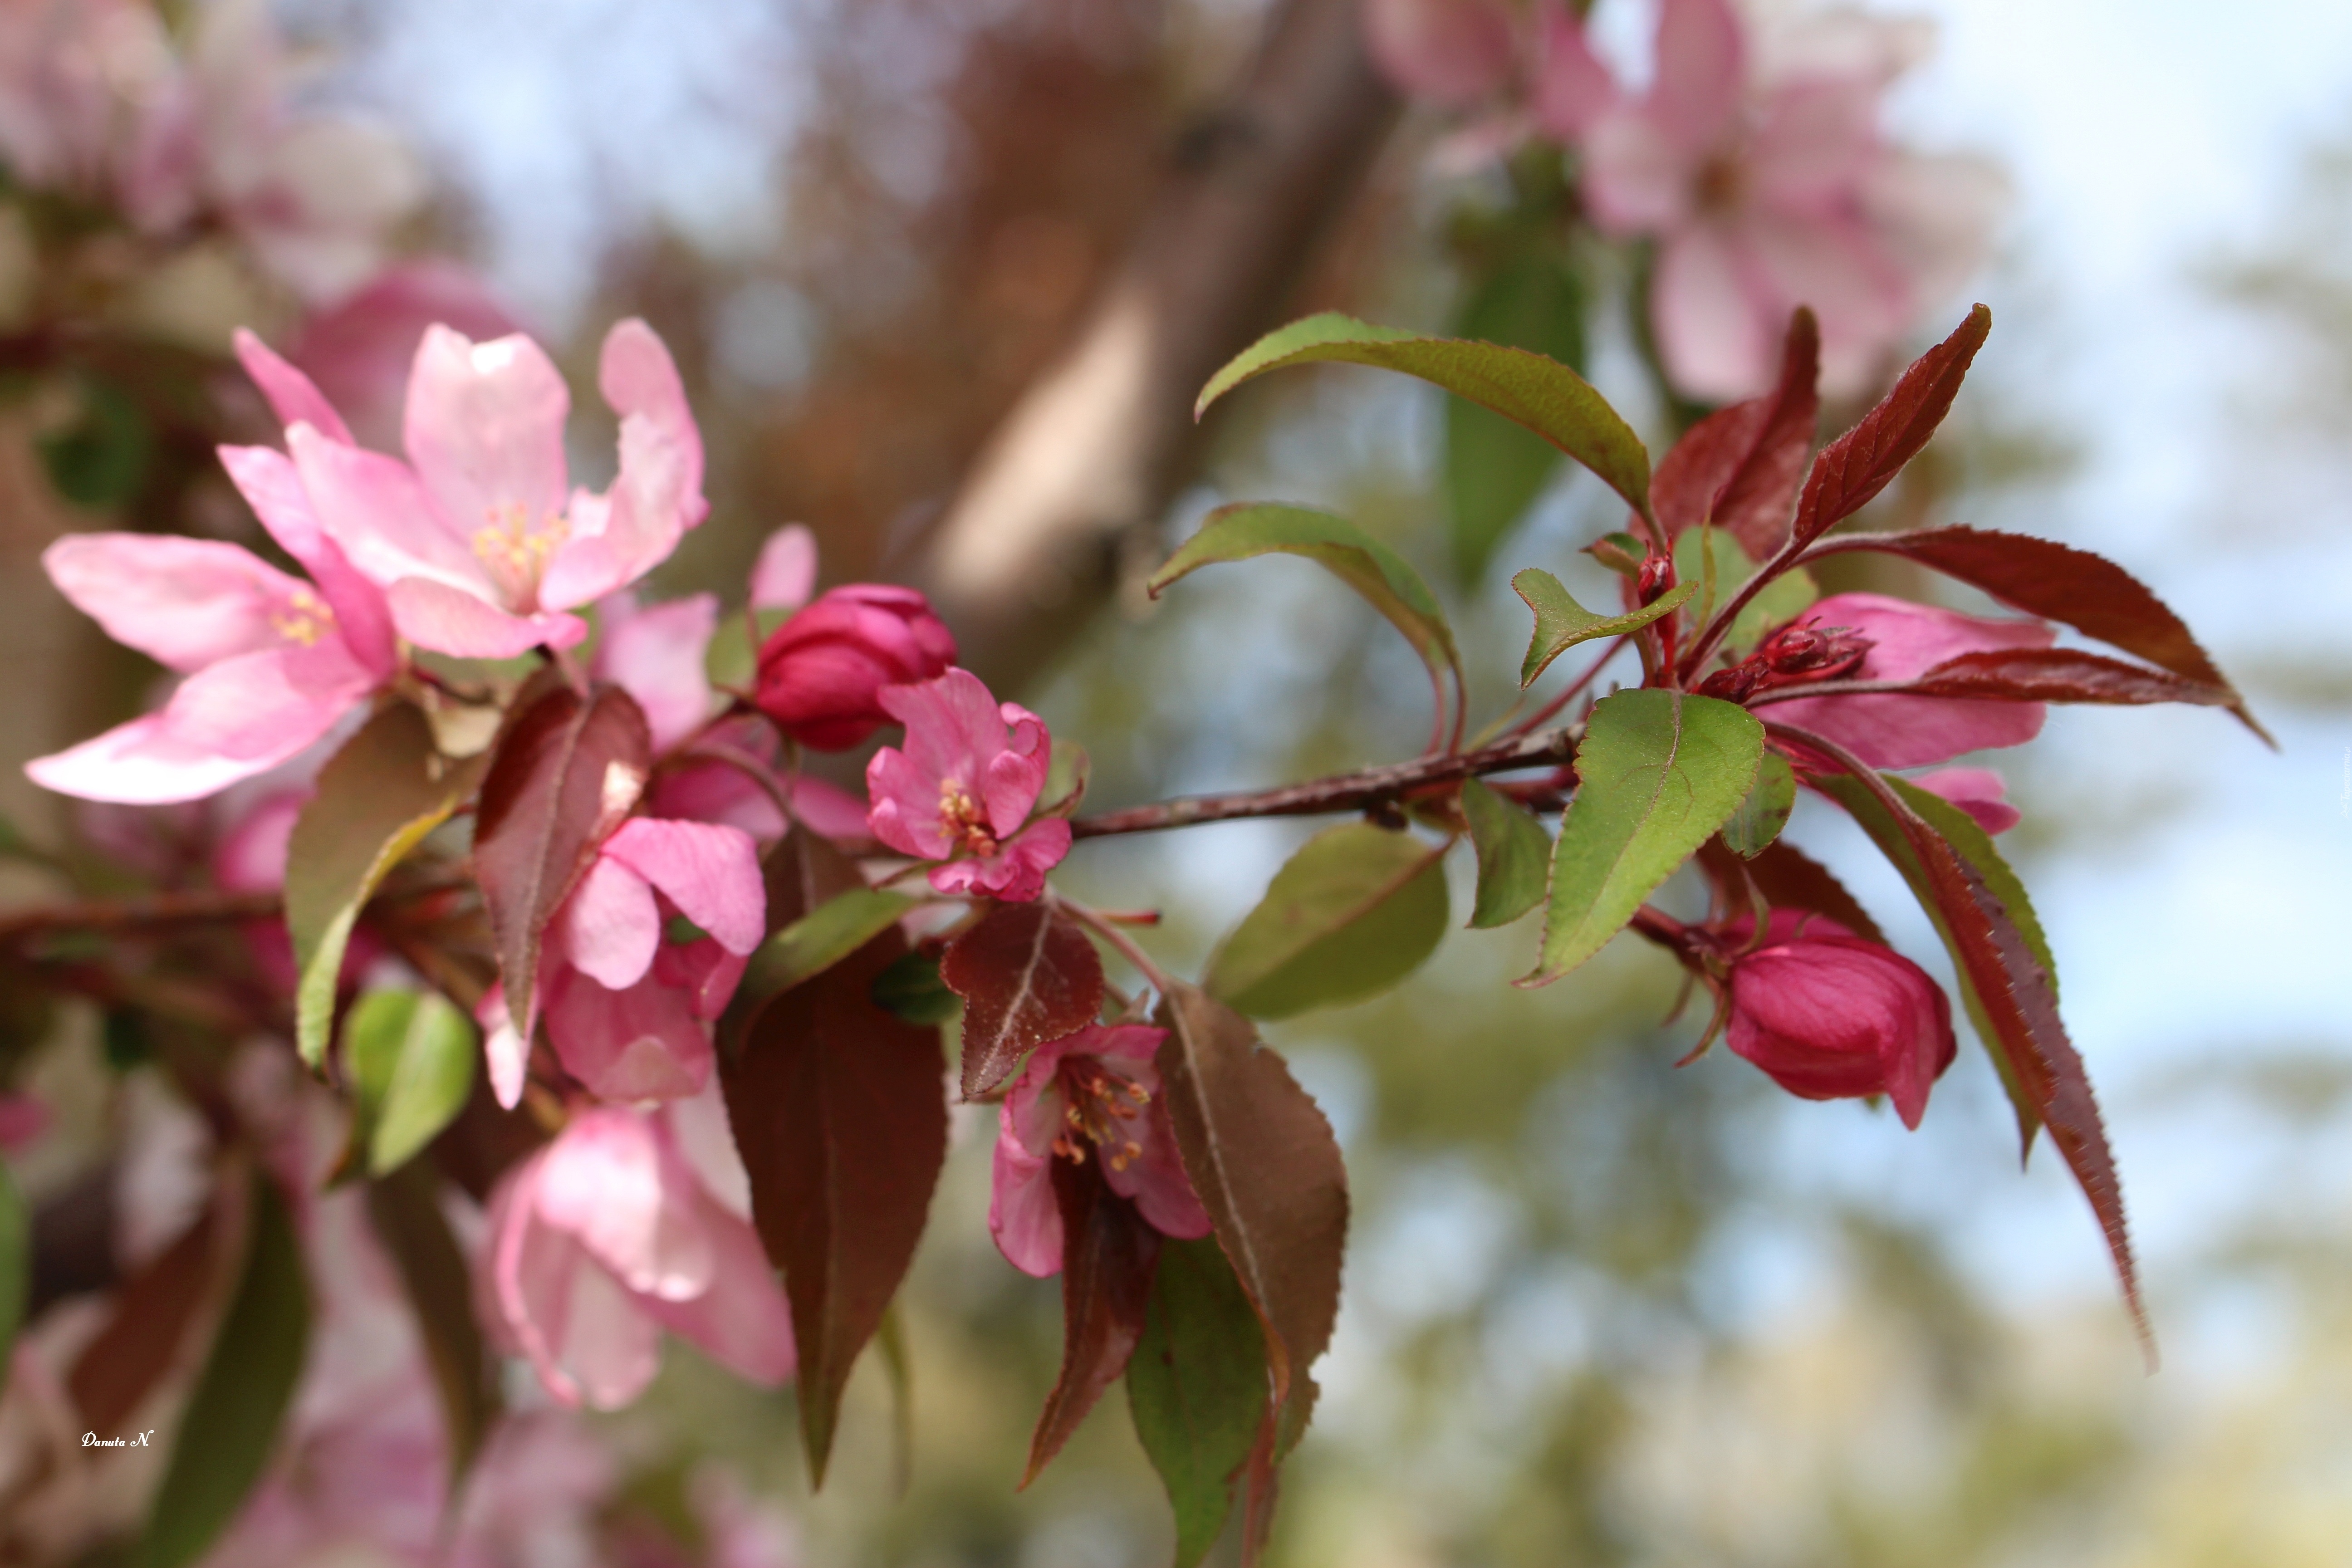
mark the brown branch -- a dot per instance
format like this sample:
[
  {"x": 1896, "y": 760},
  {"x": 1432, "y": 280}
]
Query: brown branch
[
  {"x": 134, "y": 913},
  {"x": 1097, "y": 446},
  {"x": 1347, "y": 791}
]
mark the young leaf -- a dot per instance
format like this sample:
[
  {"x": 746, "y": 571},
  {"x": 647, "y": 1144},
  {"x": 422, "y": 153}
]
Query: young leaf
[
  {"x": 1738, "y": 468},
  {"x": 911, "y": 988},
  {"x": 1561, "y": 623},
  {"x": 1108, "y": 1253},
  {"x": 1385, "y": 579},
  {"x": 1750, "y": 829},
  {"x": 1546, "y": 396},
  {"x": 1621, "y": 553},
  {"x": 1350, "y": 915},
  {"x": 1263, "y": 1159},
  {"x": 1514, "y": 855},
  {"x": 1852, "y": 470},
  {"x": 15, "y": 1266},
  {"x": 378, "y": 796},
  {"x": 1657, "y": 774},
  {"x": 409, "y": 1056},
  {"x": 568, "y": 770},
  {"x": 1494, "y": 468},
  {"x": 2061, "y": 675},
  {"x": 1779, "y": 600},
  {"x": 142, "y": 1337},
  {"x": 407, "y": 1218},
  {"x": 231, "y": 1418},
  {"x": 1026, "y": 976},
  {"x": 1196, "y": 1387},
  {"x": 820, "y": 939},
  {"x": 1789, "y": 880},
  {"x": 840, "y": 1113}
]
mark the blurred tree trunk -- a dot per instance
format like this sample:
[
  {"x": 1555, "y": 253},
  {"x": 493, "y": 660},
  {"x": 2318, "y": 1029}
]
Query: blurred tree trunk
[{"x": 1091, "y": 453}]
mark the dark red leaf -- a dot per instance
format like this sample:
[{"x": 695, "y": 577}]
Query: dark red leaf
[
  {"x": 569, "y": 769},
  {"x": 2061, "y": 675},
  {"x": 1108, "y": 1253},
  {"x": 2058, "y": 583},
  {"x": 839, "y": 1109},
  {"x": 1026, "y": 976},
  {"x": 142, "y": 1341},
  {"x": 1263, "y": 1162},
  {"x": 1740, "y": 466},
  {"x": 1855, "y": 467},
  {"x": 1789, "y": 880},
  {"x": 2021, "y": 1007}
]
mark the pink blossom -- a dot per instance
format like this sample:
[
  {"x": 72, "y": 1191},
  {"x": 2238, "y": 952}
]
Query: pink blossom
[
  {"x": 821, "y": 673},
  {"x": 74, "y": 75},
  {"x": 359, "y": 351},
  {"x": 785, "y": 574},
  {"x": 1760, "y": 165},
  {"x": 1906, "y": 640},
  {"x": 1976, "y": 791},
  {"x": 719, "y": 791},
  {"x": 1829, "y": 1016},
  {"x": 657, "y": 655},
  {"x": 475, "y": 541},
  {"x": 963, "y": 786},
  {"x": 1091, "y": 1095},
  {"x": 606, "y": 1237}
]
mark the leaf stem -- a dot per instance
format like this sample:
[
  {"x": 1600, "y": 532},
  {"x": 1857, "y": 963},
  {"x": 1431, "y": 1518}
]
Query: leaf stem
[{"x": 1103, "y": 926}]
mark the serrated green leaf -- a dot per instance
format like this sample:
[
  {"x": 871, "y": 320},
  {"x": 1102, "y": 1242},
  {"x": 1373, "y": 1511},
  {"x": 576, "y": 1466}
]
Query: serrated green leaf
[
  {"x": 1657, "y": 774},
  {"x": 377, "y": 798},
  {"x": 1385, "y": 579},
  {"x": 233, "y": 1416},
  {"x": 410, "y": 1059},
  {"x": 1782, "y": 599},
  {"x": 911, "y": 988},
  {"x": 1546, "y": 396},
  {"x": 1514, "y": 855},
  {"x": 1561, "y": 623},
  {"x": 1494, "y": 468},
  {"x": 1750, "y": 830},
  {"x": 15, "y": 1265},
  {"x": 1196, "y": 1387},
  {"x": 1350, "y": 915},
  {"x": 819, "y": 940}
]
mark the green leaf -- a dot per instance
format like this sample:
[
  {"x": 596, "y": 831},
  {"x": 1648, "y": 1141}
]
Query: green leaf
[
  {"x": 1383, "y": 576},
  {"x": 1196, "y": 1387},
  {"x": 1657, "y": 774},
  {"x": 1546, "y": 396},
  {"x": 241, "y": 1399},
  {"x": 1561, "y": 623},
  {"x": 410, "y": 1057},
  {"x": 1352, "y": 914},
  {"x": 1621, "y": 553},
  {"x": 1494, "y": 468},
  {"x": 911, "y": 988},
  {"x": 1514, "y": 855},
  {"x": 1782, "y": 599},
  {"x": 15, "y": 1265},
  {"x": 377, "y": 799},
  {"x": 405, "y": 1209},
  {"x": 101, "y": 460},
  {"x": 819, "y": 940},
  {"x": 1751, "y": 829}
]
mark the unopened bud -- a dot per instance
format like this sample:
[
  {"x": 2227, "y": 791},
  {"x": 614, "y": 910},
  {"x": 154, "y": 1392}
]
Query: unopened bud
[{"x": 1657, "y": 575}]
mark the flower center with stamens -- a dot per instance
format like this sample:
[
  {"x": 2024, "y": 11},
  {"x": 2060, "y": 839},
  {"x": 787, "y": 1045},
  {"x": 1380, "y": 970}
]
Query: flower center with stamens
[
  {"x": 305, "y": 619},
  {"x": 1101, "y": 1108},
  {"x": 964, "y": 821},
  {"x": 515, "y": 550}
]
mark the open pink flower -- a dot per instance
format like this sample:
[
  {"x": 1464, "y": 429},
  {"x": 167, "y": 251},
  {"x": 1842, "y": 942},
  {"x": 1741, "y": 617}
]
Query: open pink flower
[
  {"x": 1906, "y": 640},
  {"x": 628, "y": 1004},
  {"x": 604, "y": 1239},
  {"x": 823, "y": 672},
  {"x": 1094, "y": 1095},
  {"x": 1829, "y": 1016},
  {"x": 964, "y": 785},
  {"x": 1980, "y": 792}
]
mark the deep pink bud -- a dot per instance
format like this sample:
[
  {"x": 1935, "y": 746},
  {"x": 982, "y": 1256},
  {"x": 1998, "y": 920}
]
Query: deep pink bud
[
  {"x": 820, "y": 674},
  {"x": 1829, "y": 1016}
]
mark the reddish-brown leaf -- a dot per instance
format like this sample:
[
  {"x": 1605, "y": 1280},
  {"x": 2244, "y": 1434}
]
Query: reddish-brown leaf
[
  {"x": 1789, "y": 880},
  {"x": 142, "y": 1341},
  {"x": 569, "y": 769},
  {"x": 839, "y": 1109},
  {"x": 1026, "y": 976},
  {"x": 1263, "y": 1162},
  {"x": 1740, "y": 466},
  {"x": 1855, "y": 467},
  {"x": 2058, "y": 583},
  {"x": 2061, "y": 675},
  {"x": 1108, "y": 1253}
]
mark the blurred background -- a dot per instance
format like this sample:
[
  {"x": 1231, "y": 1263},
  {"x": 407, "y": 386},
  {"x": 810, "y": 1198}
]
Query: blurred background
[{"x": 1598, "y": 1310}]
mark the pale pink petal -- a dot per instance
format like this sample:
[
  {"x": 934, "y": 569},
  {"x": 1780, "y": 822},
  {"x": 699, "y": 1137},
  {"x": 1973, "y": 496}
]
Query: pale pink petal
[
  {"x": 358, "y": 352},
  {"x": 1814, "y": 144},
  {"x": 743, "y": 1321},
  {"x": 503, "y": 1049},
  {"x": 1701, "y": 57},
  {"x": 1023, "y": 1214},
  {"x": 374, "y": 509},
  {"x": 609, "y": 1346},
  {"x": 710, "y": 872},
  {"x": 485, "y": 429},
  {"x": 581, "y": 1331},
  {"x": 454, "y": 621},
  {"x": 1976, "y": 791},
  {"x": 292, "y": 395},
  {"x": 1450, "y": 52},
  {"x": 272, "y": 486},
  {"x": 1717, "y": 342},
  {"x": 609, "y": 927},
  {"x": 1936, "y": 216},
  {"x": 185, "y": 603},
  {"x": 1637, "y": 179},
  {"x": 1834, "y": 264},
  {"x": 643, "y": 1042},
  {"x": 251, "y": 856},
  {"x": 705, "y": 1139},
  {"x": 785, "y": 574},
  {"x": 612, "y": 1179},
  {"x": 827, "y": 808},
  {"x": 1572, "y": 89},
  {"x": 640, "y": 381},
  {"x": 657, "y": 656},
  {"x": 140, "y": 763},
  {"x": 269, "y": 704}
]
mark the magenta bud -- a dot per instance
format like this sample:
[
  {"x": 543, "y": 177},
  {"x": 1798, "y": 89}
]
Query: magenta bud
[{"x": 821, "y": 673}]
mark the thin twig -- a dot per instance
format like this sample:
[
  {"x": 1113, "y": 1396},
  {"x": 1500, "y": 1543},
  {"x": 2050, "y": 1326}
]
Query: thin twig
[
  {"x": 132, "y": 913},
  {"x": 1109, "y": 932}
]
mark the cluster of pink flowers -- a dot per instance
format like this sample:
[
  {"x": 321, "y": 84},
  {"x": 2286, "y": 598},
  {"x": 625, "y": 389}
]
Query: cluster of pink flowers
[{"x": 1754, "y": 159}]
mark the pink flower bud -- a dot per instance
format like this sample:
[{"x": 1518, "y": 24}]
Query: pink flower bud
[
  {"x": 1829, "y": 1016},
  {"x": 821, "y": 673}
]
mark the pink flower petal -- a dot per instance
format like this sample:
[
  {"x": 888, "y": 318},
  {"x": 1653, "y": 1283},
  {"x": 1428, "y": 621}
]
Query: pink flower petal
[
  {"x": 612, "y": 1179},
  {"x": 609, "y": 927},
  {"x": 272, "y": 486},
  {"x": 1908, "y": 640},
  {"x": 1976, "y": 791},
  {"x": 1449, "y": 52},
  {"x": 1572, "y": 89},
  {"x": 785, "y": 574},
  {"x": 185, "y": 603},
  {"x": 358, "y": 352},
  {"x": 1713, "y": 332},
  {"x": 1700, "y": 60},
  {"x": 710, "y": 872},
  {"x": 904, "y": 812},
  {"x": 1017, "y": 872},
  {"x": 657, "y": 656},
  {"x": 1023, "y": 1214},
  {"x": 292, "y": 395},
  {"x": 140, "y": 763},
  {"x": 269, "y": 704},
  {"x": 485, "y": 430},
  {"x": 743, "y": 1321},
  {"x": 1815, "y": 141},
  {"x": 504, "y": 1051},
  {"x": 454, "y": 621},
  {"x": 373, "y": 507},
  {"x": 643, "y": 1042},
  {"x": 1637, "y": 179}
]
